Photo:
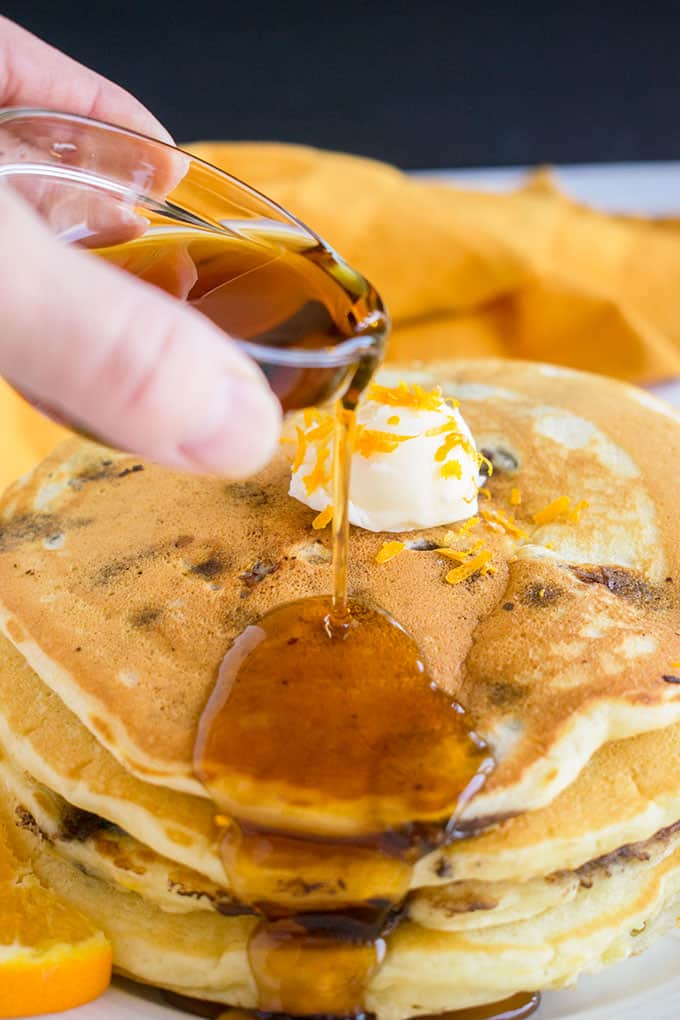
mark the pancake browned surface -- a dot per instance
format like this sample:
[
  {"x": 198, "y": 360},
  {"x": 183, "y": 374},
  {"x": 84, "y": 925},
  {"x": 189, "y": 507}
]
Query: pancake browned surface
[
  {"x": 103, "y": 849},
  {"x": 41, "y": 736},
  {"x": 123, "y": 584}
]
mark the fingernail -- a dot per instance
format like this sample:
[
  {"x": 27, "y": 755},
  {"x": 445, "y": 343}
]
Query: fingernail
[{"x": 238, "y": 432}]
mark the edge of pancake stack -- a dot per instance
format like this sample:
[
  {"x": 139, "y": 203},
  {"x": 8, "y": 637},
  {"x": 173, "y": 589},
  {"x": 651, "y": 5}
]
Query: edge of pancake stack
[{"x": 122, "y": 586}]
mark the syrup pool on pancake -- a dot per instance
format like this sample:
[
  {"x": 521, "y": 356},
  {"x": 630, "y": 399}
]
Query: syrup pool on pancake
[{"x": 335, "y": 758}]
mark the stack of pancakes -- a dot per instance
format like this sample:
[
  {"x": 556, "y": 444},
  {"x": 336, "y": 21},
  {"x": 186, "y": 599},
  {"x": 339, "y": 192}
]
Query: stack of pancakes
[{"x": 122, "y": 585}]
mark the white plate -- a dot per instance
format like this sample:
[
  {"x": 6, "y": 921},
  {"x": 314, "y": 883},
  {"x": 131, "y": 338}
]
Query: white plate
[
  {"x": 652, "y": 189},
  {"x": 647, "y": 987}
]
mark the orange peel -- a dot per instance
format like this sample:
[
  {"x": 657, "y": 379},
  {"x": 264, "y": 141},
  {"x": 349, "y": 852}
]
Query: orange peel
[{"x": 52, "y": 957}]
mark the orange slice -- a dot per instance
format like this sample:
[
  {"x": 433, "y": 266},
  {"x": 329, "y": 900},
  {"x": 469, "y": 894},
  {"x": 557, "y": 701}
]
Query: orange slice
[{"x": 51, "y": 956}]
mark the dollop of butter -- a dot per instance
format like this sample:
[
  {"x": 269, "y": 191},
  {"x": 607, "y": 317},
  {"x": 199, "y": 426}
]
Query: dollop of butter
[{"x": 414, "y": 462}]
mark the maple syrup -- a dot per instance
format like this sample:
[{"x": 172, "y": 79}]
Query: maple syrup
[{"x": 270, "y": 285}]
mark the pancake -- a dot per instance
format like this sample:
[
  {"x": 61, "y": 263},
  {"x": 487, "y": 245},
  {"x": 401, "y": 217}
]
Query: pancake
[
  {"x": 620, "y": 910},
  {"x": 468, "y": 905},
  {"x": 102, "y": 849},
  {"x": 105, "y": 851},
  {"x": 626, "y": 793},
  {"x": 618, "y": 916},
  {"x": 149, "y": 576},
  {"x": 123, "y": 585},
  {"x": 450, "y": 900},
  {"x": 39, "y": 735}
]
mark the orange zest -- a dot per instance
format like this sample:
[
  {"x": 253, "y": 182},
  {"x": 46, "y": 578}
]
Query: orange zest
[
  {"x": 501, "y": 521},
  {"x": 474, "y": 565},
  {"x": 312, "y": 416},
  {"x": 455, "y": 439},
  {"x": 388, "y": 550},
  {"x": 470, "y": 561},
  {"x": 469, "y": 524},
  {"x": 318, "y": 429},
  {"x": 404, "y": 395},
  {"x": 452, "y": 440},
  {"x": 459, "y": 555},
  {"x": 560, "y": 507},
  {"x": 575, "y": 515},
  {"x": 320, "y": 474},
  {"x": 324, "y": 518},
  {"x": 452, "y": 469},
  {"x": 370, "y": 441},
  {"x": 301, "y": 451}
]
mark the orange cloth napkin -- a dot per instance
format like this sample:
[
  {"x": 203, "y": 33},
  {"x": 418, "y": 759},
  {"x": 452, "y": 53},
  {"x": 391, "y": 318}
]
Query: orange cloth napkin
[
  {"x": 524, "y": 274},
  {"x": 25, "y": 436},
  {"x": 527, "y": 274}
]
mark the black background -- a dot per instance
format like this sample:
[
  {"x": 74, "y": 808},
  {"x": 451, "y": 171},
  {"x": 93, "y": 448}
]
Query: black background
[{"x": 429, "y": 84}]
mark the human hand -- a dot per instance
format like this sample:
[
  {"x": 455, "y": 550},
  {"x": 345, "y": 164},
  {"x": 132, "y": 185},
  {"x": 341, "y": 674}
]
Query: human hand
[{"x": 120, "y": 358}]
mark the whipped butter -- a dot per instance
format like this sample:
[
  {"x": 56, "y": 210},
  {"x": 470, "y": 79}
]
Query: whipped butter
[{"x": 414, "y": 462}]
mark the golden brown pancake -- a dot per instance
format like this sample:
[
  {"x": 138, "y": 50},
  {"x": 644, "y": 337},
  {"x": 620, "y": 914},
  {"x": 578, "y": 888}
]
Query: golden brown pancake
[
  {"x": 38, "y": 734},
  {"x": 123, "y": 584},
  {"x": 626, "y": 793},
  {"x": 104, "y": 850}
]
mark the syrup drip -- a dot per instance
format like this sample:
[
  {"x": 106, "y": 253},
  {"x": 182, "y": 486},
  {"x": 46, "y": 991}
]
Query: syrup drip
[{"x": 323, "y": 960}]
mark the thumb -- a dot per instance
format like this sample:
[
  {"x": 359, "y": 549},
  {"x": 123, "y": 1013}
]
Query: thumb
[{"x": 123, "y": 360}]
